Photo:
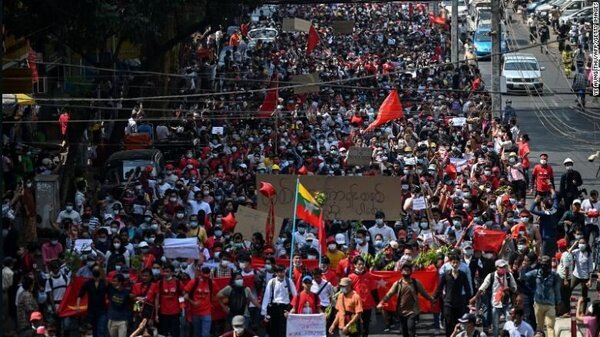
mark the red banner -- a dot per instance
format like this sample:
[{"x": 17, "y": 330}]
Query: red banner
[
  {"x": 487, "y": 240},
  {"x": 384, "y": 280},
  {"x": 68, "y": 305},
  {"x": 259, "y": 262}
]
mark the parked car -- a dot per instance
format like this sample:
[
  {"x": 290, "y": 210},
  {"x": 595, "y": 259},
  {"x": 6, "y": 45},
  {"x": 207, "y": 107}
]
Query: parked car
[
  {"x": 482, "y": 41},
  {"x": 533, "y": 5},
  {"x": 568, "y": 6},
  {"x": 574, "y": 16},
  {"x": 522, "y": 73}
]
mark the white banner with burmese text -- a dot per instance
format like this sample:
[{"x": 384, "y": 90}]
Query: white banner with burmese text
[{"x": 306, "y": 325}]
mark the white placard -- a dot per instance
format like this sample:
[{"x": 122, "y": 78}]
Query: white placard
[
  {"x": 185, "y": 248},
  {"x": 217, "y": 130},
  {"x": 459, "y": 163},
  {"x": 459, "y": 121},
  {"x": 81, "y": 244},
  {"x": 418, "y": 203},
  {"x": 306, "y": 325}
]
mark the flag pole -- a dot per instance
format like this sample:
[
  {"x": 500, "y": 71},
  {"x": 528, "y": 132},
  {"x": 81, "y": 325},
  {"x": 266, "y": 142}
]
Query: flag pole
[{"x": 294, "y": 228}]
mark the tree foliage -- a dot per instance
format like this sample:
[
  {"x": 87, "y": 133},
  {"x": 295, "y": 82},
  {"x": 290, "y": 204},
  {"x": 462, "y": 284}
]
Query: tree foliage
[{"x": 85, "y": 26}]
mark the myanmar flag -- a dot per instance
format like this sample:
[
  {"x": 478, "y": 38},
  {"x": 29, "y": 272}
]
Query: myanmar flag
[
  {"x": 307, "y": 207},
  {"x": 384, "y": 280}
]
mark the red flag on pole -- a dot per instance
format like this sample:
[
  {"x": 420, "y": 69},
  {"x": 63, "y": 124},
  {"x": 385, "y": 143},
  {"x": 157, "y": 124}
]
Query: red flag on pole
[
  {"x": 487, "y": 240},
  {"x": 269, "y": 104},
  {"x": 313, "y": 40},
  {"x": 31, "y": 62},
  {"x": 68, "y": 305},
  {"x": 390, "y": 109},
  {"x": 322, "y": 236},
  {"x": 384, "y": 280}
]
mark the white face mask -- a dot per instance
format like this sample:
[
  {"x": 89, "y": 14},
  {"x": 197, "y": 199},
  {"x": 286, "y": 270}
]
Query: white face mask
[
  {"x": 238, "y": 331},
  {"x": 379, "y": 221},
  {"x": 332, "y": 246},
  {"x": 543, "y": 162},
  {"x": 243, "y": 265},
  {"x": 239, "y": 283}
]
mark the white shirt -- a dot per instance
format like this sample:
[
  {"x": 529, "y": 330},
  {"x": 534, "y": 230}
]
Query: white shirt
[
  {"x": 281, "y": 293},
  {"x": 196, "y": 206},
  {"x": 386, "y": 231},
  {"x": 7, "y": 278},
  {"x": 57, "y": 287},
  {"x": 523, "y": 330},
  {"x": 497, "y": 283},
  {"x": 583, "y": 264},
  {"x": 587, "y": 205},
  {"x": 326, "y": 293},
  {"x": 73, "y": 215}
]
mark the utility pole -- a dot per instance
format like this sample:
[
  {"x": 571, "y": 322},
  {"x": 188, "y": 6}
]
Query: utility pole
[
  {"x": 454, "y": 32},
  {"x": 436, "y": 8},
  {"x": 496, "y": 58}
]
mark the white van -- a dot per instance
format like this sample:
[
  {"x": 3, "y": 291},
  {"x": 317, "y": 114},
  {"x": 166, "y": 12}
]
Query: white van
[
  {"x": 480, "y": 16},
  {"x": 522, "y": 73}
]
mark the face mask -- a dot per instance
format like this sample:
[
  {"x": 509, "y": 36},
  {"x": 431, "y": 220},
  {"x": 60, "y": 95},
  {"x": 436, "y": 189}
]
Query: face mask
[
  {"x": 243, "y": 265},
  {"x": 268, "y": 267},
  {"x": 359, "y": 241},
  {"x": 194, "y": 224},
  {"x": 467, "y": 206},
  {"x": 205, "y": 193},
  {"x": 117, "y": 245},
  {"x": 332, "y": 246},
  {"x": 150, "y": 240},
  {"x": 521, "y": 248},
  {"x": 468, "y": 252},
  {"x": 488, "y": 256},
  {"x": 311, "y": 257},
  {"x": 378, "y": 243},
  {"x": 224, "y": 263},
  {"x": 525, "y": 219},
  {"x": 582, "y": 247},
  {"x": 180, "y": 215},
  {"x": 118, "y": 267},
  {"x": 239, "y": 283},
  {"x": 456, "y": 224},
  {"x": 155, "y": 271},
  {"x": 345, "y": 290},
  {"x": 218, "y": 233},
  {"x": 238, "y": 331},
  {"x": 173, "y": 199},
  {"x": 54, "y": 242},
  {"x": 301, "y": 230},
  {"x": 487, "y": 173},
  {"x": 569, "y": 168},
  {"x": 69, "y": 208},
  {"x": 467, "y": 194},
  {"x": 154, "y": 226},
  {"x": 379, "y": 222},
  {"x": 543, "y": 162},
  {"x": 102, "y": 240},
  {"x": 424, "y": 225}
]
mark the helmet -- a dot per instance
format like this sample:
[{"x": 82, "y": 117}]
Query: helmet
[{"x": 568, "y": 161}]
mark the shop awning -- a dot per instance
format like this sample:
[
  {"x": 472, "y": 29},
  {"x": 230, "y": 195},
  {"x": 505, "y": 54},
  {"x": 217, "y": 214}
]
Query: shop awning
[{"x": 21, "y": 99}]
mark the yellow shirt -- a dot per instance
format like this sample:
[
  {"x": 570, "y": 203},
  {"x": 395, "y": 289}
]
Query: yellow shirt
[
  {"x": 335, "y": 258},
  {"x": 199, "y": 232}
]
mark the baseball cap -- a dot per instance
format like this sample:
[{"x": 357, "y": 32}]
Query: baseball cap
[
  {"x": 340, "y": 239},
  {"x": 36, "y": 316},
  {"x": 238, "y": 320},
  {"x": 307, "y": 279},
  {"x": 501, "y": 263},
  {"x": 468, "y": 318}
]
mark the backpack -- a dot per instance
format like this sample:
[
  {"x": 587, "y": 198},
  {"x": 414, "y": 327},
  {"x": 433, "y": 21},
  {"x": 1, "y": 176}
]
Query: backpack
[
  {"x": 195, "y": 286},
  {"x": 237, "y": 301},
  {"x": 288, "y": 284},
  {"x": 52, "y": 282}
]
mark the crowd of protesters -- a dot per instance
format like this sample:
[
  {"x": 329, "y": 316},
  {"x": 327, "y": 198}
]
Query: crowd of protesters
[{"x": 494, "y": 184}]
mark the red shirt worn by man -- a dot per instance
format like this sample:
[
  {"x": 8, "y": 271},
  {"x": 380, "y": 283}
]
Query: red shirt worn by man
[
  {"x": 169, "y": 292},
  {"x": 543, "y": 176},
  {"x": 201, "y": 297}
]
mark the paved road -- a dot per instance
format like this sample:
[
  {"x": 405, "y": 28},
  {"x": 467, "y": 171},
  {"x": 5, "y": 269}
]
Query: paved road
[
  {"x": 552, "y": 120},
  {"x": 554, "y": 125}
]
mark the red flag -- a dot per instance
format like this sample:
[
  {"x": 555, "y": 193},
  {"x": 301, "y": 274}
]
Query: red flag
[
  {"x": 384, "y": 280},
  {"x": 269, "y": 104},
  {"x": 228, "y": 222},
  {"x": 31, "y": 58},
  {"x": 322, "y": 237},
  {"x": 487, "y": 240},
  {"x": 451, "y": 171},
  {"x": 438, "y": 20},
  {"x": 390, "y": 109},
  {"x": 68, "y": 305},
  {"x": 313, "y": 40}
]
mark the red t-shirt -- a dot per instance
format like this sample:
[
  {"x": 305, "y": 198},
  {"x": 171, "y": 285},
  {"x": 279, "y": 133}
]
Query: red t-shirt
[
  {"x": 301, "y": 299},
  {"x": 523, "y": 154},
  {"x": 145, "y": 290},
  {"x": 363, "y": 284},
  {"x": 201, "y": 296},
  {"x": 542, "y": 175},
  {"x": 148, "y": 260},
  {"x": 169, "y": 292},
  {"x": 331, "y": 277}
]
